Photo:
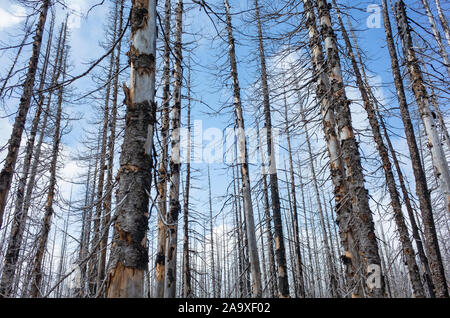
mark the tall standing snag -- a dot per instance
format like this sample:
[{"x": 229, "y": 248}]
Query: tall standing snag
[
  {"x": 408, "y": 251},
  {"x": 246, "y": 188},
  {"x": 162, "y": 169},
  {"x": 364, "y": 226},
  {"x": 129, "y": 256},
  {"x": 437, "y": 154},
  {"x": 280, "y": 251},
  {"x": 6, "y": 175},
  {"x": 175, "y": 165},
  {"x": 343, "y": 208}
]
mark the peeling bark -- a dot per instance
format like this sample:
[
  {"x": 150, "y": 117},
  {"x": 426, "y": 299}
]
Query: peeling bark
[
  {"x": 129, "y": 255},
  {"x": 441, "y": 167}
]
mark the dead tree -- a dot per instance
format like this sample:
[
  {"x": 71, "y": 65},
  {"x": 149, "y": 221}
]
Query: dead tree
[
  {"x": 35, "y": 290},
  {"x": 19, "y": 217},
  {"x": 162, "y": 172},
  {"x": 129, "y": 256},
  {"x": 243, "y": 153},
  {"x": 441, "y": 167},
  {"x": 283, "y": 281},
  {"x": 408, "y": 250},
  {"x": 6, "y": 175},
  {"x": 343, "y": 209},
  {"x": 174, "y": 164}
]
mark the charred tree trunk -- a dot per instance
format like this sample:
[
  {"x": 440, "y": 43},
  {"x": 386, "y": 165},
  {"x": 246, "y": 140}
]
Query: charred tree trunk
[
  {"x": 129, "y": 256},
  {"x": 439, "y": 161},
  {"x": 174, "y": 196},
  {"x": 162, "y": 172},
  {"x": 187, "y": 289},
  {"x": 437, "y": 36},
  {"x": 296, "y": 231},
  {"x": 46, "y": 222},
  {"x": 408, "y": 250},
  {"x": 419, "y": 174},
  {"x": 246, "y": 188},
  {"x": 364, "y": 226},
  {"x": 443, "y": 20},
  {"x": 280, "y": 252},
  {"x": 7, "y": 173},
  {"x": 343, "y": 207},
  {"x": 111, "y": 146},
  {"x": 19, "y": 217}
]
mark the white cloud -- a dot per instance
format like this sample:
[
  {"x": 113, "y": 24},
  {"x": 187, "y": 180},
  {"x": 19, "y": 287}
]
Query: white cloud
[{"x": 11, "y": 16}]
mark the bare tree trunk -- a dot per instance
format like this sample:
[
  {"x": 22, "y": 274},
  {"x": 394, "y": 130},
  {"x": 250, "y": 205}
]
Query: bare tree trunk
[
  {"x": 439, "y": 161},
  {"x": 408, "y": 250},
  {"x": 409, "y": 209},
  {"x": 443, "y": 20},
  {"x": 187, "y": 290},
  {"x": 273, "y": 285},
  {"x": 211, "y": 233},
  {"x": 308, "y": 242},
  {"x": 283, "y": 281},
  {"x": 246, "y": 187},
  {"x": 431, "y": 243},
  {"x": 7, "y": 172},
  {"x": 343, "y": 208},
  {"x": 415, "y": 229},
  {"x": 162, "y": 172},
  {"x": 174, "y": 200},
  {"x": 437, "y": 36},
  {"x": 111, "y": 146},
  {"x": 19, "y": 218},
  {"x": 298, "y": 255},
  {"x": 129, "y": 256},
  {"x": 46, "y": 222},
  {"x": 364, "y": 225},
  {"x": 96, "y": 277}
]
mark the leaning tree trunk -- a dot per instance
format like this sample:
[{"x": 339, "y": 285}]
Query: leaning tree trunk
[
  {"x": 331, "y": 268},
  {"x": 441, "y": 168},
  {"x": 96, "y": 277},
  {"x": 174, "y": 196},
  {"x": 443, "y": 20},
  {"x": 246, "y": 188},
  {"x": 439, "y": 161},
  {"x": 162, "y": 172},
  {"x": 129, "y": 256},
  {"x": 368, "y": 247},
  {"x": 35, "y": 290},
  {"x": 405, "y": 193},
  {"x": 7, "y": 173},
  {"x": 419, "y": 174},
  {"x": 437, "y": 36},
  {"x": 280, "y": 252},
  {"x": 343, "y": 208},
  {"x": 273, "y": 286},
  {"x": 414, "y": 227},
  {"x": 408, "y": 250},
  {"x": 187, "y": 289},
  {"x": 111, "y": 146},
  {"x": 296, "y": 231},
  {"x": 19, "y": 218}
]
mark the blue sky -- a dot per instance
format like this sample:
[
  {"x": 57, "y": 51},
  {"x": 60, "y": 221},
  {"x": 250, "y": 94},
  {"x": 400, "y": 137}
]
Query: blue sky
[{"x": 86, "y": 32}]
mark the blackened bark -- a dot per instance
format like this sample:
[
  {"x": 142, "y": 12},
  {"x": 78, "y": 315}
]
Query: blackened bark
[{"x": 6, "y": 175}]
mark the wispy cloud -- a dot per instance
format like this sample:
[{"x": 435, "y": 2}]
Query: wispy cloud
[{"x": 11, "y": 16}]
